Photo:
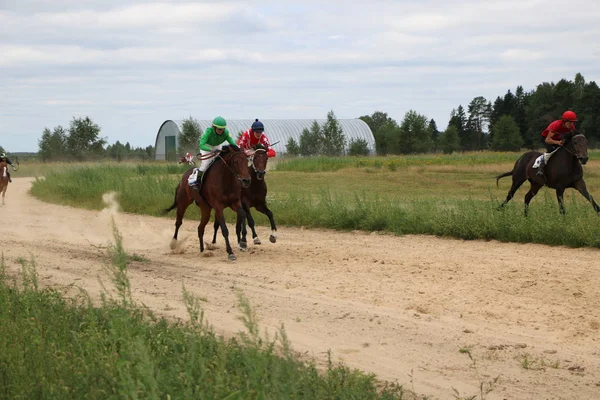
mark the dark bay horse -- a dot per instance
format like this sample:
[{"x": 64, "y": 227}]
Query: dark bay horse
[
  {"x": 3, "y": 179},
  {"x": 221, "y": 188},
  {"x": 254, "y": 196},
  {"x": 563, "y": 171}
]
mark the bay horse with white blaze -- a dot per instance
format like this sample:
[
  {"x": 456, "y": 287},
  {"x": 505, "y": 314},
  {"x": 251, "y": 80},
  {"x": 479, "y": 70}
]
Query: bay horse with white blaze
[
  {"x": 221, "y": 188},
  {"x": 254, "y": 196},
  {"x": 563, "y": 171},
  {"x": 3, "y": 179}
]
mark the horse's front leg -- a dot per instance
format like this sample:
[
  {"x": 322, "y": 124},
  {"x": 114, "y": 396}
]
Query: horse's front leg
[
  {"x": 225, "y": 232},
  {"x": 205, "y": 210},
  {"x": 216, "y": 229},
  {"x": 535, "y": 187},
  {"x": 265, "y": 210},
  {"x": 581, "y": 187},
  {"x": 561, "y": 201},
  {"x": 241, "y": 232}
]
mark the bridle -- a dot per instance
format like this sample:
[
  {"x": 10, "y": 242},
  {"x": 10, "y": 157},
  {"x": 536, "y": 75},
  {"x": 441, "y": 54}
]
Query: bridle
[
  {"x": 230, "y": 157},
  {"x": 569, "y": 141},
  {"x": 251, "y": 159}
]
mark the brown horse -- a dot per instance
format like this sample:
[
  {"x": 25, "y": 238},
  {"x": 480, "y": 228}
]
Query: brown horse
[
  {"x": 254, "y": 196},
  {"x": 563, "y": 171},
  {"x": 3, "y": 179},
  {"x": 221, "y": 188}
]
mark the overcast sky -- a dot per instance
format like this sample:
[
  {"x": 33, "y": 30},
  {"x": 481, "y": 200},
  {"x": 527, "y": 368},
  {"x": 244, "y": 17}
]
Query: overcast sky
[{"x": 130, "y": 65}]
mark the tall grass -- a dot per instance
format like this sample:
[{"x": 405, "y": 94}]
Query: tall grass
[
  {"x": 458, "y": 199},
  {"x": 55, "y": 348},
  {"x": 322, "y": 164}
]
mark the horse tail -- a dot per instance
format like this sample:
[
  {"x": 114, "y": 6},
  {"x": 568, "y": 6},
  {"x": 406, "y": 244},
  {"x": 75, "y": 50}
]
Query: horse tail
[
  {"x": 502, "y": 176},
  {"x": 174, "y": 205}
]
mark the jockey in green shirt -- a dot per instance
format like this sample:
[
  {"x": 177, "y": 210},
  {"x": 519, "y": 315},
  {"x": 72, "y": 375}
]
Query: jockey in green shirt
[{"x": 211, "y": 142}]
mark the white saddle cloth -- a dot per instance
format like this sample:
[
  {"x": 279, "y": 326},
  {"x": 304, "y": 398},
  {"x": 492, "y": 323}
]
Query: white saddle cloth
[{"x": 538, "y": 161}]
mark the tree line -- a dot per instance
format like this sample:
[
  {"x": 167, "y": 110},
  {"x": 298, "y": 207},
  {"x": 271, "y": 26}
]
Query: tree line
[
  {"x": 81, "y": 141},
  {"x": 509, "y": 123}
]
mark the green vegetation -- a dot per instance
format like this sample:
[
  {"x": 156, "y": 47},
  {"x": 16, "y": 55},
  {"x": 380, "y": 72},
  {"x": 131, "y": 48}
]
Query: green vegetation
[
  {"x": 445, "y": 195},
  {"x": 55, "y": 348}
]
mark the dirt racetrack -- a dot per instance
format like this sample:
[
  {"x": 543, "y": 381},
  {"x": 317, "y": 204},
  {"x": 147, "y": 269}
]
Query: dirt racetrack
[{"x": 530, "y": 314}]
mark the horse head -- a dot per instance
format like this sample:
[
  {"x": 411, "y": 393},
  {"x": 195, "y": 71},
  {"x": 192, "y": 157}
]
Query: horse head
[
  {"x": 577, "y": 144},
  {"x": 3, "y": 169},
  {"x": 259, "y": 160},
  {"x": 236, "y": 160}
]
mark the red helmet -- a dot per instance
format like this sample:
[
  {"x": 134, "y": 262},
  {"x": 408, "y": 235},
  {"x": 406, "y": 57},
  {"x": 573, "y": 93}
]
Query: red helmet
[{"x": 569, "y": 116}]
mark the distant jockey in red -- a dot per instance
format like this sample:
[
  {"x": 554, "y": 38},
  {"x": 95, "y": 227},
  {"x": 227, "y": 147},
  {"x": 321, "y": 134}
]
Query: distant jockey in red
[
  {"x": 253, "y": 136},
  {"x": 553, "y": 136}
]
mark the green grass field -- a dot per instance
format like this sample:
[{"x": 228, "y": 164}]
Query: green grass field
[{"x": 439, "y": 195}]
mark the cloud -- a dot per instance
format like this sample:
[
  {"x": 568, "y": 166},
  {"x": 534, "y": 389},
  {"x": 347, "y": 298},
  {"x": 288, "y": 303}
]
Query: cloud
[{"x": 130, "y": 65}]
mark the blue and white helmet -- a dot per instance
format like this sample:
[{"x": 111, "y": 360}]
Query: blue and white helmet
[{"x": 258, "y": 126}]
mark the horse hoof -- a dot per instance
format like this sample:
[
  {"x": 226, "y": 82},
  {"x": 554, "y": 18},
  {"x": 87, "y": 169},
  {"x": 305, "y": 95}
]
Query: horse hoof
[
  {"x": 232, "y": 257},
  {"x": 257, "y": 240},
  {"x": 240, "y": 248},
  {"x": 272, "y": 239},
  {"x": 243, "y": 245},
  {"x": 173, "y": 244}
]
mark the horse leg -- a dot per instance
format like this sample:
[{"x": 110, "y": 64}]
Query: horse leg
[
  {"x": 251, "y": 224},
  {"x": 225, "y": 232},
  {"x": 265, "y": 210},
  {"x": 516, "y": 184},
  {"x": 216, "y": 229},
  {"x": 181, "y": 208},
  {"x": 535, "y": 187},
  {"x": 205, "y": 212},
  {"x": 581, "y": 187},
  {"x": 560, "y": 197},
  {"x": 241, "y": 232}
]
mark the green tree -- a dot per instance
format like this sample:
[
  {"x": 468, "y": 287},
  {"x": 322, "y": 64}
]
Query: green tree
[
  {"x": 507, "y": 136},
  {"x": 588, "y": 114},
  {"x": 84, "y": 139},
  {"x": 190, "y": 136},
  {"x": 52, "y": 145},
  {"x": 387, "y": 139},
  {"x": 458, "y": 119},
  {"x": 310, "y": 140},
  {"x": 358, "y": 147},
  {"x": 478, "y": 122},
  {"x": 2, "y": 150},
  {"x": 292, "y": 148},
  {"x": 332, "y": 136},
  {"x": 449, "y": 140},
  {"x": 381, "y": 124},
  {"x": 434, "y": 133},
  {"x": 117, "y": 151},
  {"x": 414, "y": 134}
]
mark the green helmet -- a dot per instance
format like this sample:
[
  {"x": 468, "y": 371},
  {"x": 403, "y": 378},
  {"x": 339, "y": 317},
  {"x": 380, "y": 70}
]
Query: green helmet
[
  {"x": 3, "y": 155},
  {"x": 219, "y": 122}
]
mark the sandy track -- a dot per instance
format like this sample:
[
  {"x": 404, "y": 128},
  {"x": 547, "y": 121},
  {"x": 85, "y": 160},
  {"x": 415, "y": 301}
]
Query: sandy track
[{"x": 384, "y": 304}]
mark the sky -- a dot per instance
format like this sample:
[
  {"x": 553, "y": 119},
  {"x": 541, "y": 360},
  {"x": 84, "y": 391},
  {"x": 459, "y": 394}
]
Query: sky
[{"x": 131, "y": 65}]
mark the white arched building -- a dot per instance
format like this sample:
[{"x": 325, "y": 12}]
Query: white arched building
[{"x": 278, "y": 130}]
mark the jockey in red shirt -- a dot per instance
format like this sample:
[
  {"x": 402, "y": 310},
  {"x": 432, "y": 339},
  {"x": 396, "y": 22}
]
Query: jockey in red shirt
[
  {"x": 253, "y": 136},
  {"x": 553, "y": 135}
]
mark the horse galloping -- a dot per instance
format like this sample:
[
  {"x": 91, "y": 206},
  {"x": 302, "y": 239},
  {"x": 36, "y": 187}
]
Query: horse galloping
[
  {"x": 221, "y": 188},
  {"x": 563, "y": 171},
  {"x": 3, "y": 179},
  {"x": 254, "y": 196}
]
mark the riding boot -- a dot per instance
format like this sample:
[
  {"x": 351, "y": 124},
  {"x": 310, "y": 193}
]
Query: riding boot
[
  {"x": 540, "y": 171},
  {"x": 9, "y": 178},
  {"x": 196, "y": 185}
]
